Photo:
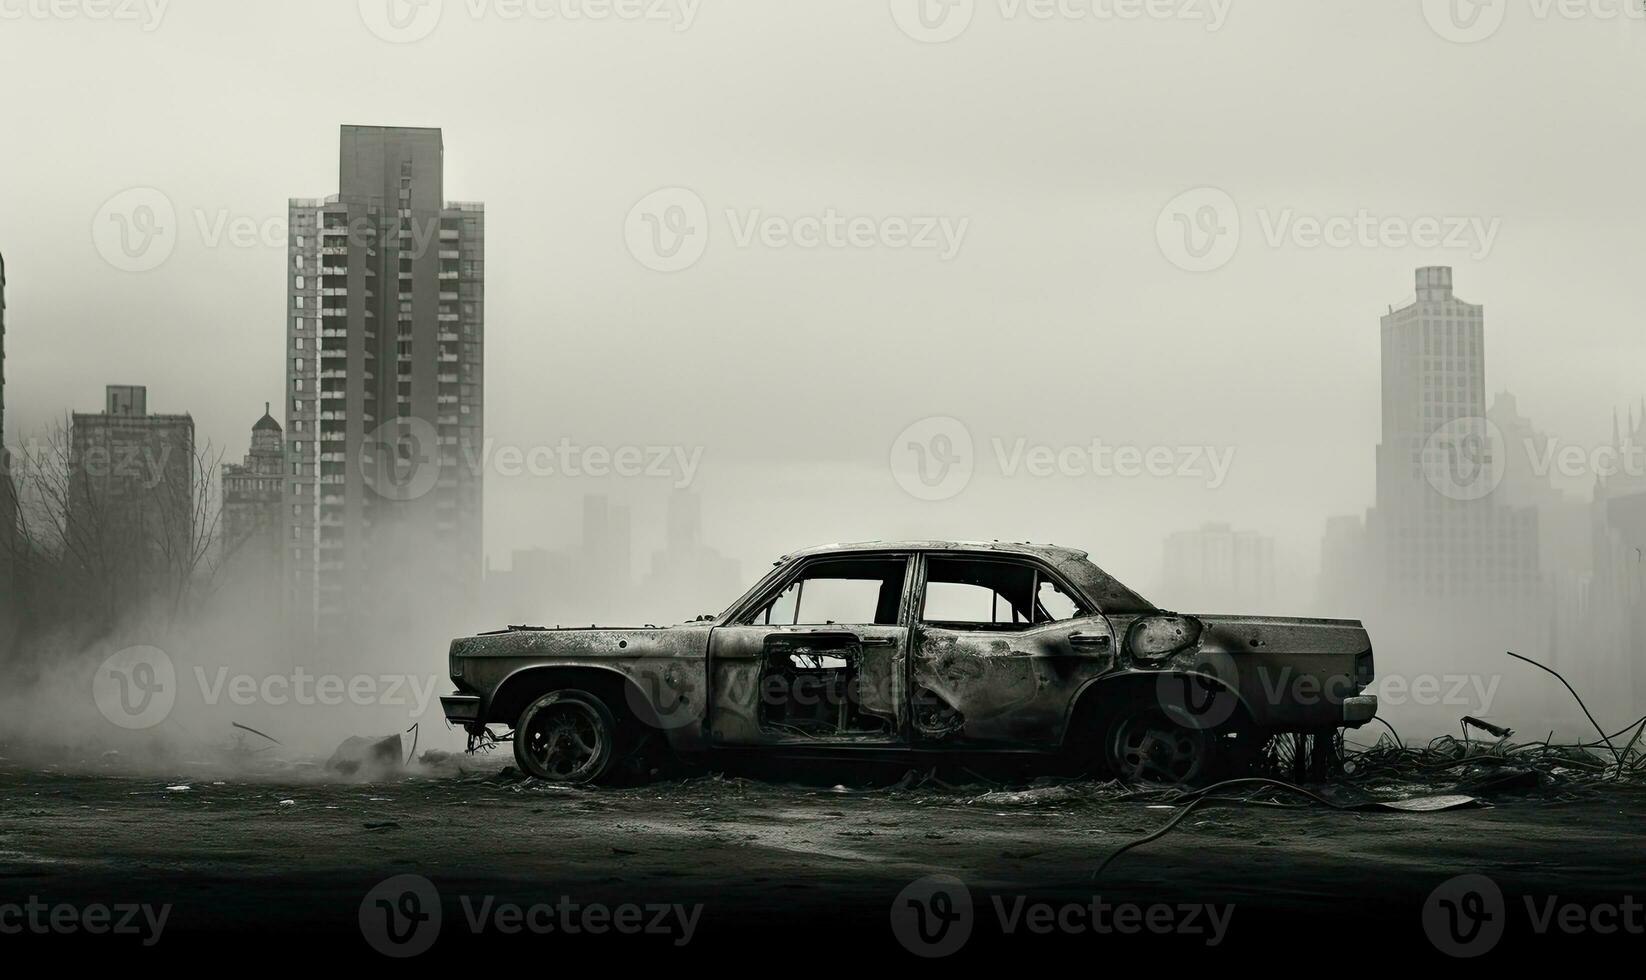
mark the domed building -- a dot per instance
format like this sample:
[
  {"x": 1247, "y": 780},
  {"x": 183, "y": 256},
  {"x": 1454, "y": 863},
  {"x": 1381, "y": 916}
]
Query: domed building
[{"x": 251, "y": 511}]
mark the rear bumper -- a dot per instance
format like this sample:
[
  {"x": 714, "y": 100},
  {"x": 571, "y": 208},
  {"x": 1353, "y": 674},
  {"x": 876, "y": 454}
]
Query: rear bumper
[
  {"x": 1360, "y": 710},
  {"x": 461, "y": 709}
]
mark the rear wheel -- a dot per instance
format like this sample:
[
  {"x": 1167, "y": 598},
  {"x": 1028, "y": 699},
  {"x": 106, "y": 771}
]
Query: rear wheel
[
  {"x": 1147, "y": 746},
  {"x": 566, "y": 737}
]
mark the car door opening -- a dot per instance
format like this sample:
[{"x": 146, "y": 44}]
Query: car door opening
[{"x": 814, "y": 685}]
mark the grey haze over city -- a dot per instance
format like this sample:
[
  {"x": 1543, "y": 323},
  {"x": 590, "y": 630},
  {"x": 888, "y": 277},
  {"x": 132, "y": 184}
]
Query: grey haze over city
[
  {"x": 1134, "y": 255},
  {"x": 847, "y": 482}
]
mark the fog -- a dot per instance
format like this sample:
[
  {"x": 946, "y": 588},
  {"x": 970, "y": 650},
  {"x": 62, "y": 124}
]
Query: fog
[{"x": 789, "y": 374}]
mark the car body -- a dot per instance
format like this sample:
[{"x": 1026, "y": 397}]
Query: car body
[{"x": 907, "y": 648}]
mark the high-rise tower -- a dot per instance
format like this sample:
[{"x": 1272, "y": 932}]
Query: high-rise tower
[{"x": 385, "y": 379}]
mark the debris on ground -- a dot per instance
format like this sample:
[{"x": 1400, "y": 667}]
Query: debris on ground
[{"x": 368, "y": 758}]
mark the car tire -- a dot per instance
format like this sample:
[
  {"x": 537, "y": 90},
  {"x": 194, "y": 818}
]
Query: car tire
[
  {"x": 1144, "y": 745},
  {"x": 567, "y": 737}
]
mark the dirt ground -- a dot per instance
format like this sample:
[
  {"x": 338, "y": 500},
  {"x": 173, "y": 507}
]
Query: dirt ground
[{"x": 812, "y": 875}]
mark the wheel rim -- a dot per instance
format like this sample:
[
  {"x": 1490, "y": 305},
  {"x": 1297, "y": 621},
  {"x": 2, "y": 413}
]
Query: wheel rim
[
  {"x": 1150, "y": 749},
  {"x": 565, "y": 740}
]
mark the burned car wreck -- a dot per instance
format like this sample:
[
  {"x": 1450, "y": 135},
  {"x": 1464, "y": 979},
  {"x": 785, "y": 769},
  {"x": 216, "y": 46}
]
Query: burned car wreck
[{"x": 894, "y": 650}]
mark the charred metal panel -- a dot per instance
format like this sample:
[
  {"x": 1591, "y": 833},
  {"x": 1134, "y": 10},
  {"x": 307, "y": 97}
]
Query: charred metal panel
[
  {"x": 665, "y": 666},
  {"x": 1004, "y": 689},
  {"x": 742, "y": 682},
  {"x": 1292, "y": 674}
]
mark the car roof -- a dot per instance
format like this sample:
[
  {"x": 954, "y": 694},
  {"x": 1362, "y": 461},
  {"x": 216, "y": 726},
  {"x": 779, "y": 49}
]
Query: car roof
[{"x": 1051, "y": 552}]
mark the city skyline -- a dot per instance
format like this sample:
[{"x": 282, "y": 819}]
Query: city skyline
[{"x": 1061, "y": 235}]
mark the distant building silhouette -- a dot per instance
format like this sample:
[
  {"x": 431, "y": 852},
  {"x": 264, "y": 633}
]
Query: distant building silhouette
[
  {"x": 1617, "y": 594},
  {"x": 131, "y": 507},
  {"x": 607, "y": 575},
  {"x": 1344, "y": 572},
  {"x": 1219, "y": 569},
  {"x": 540, "y": 588},
  {"x": 9, "y": 538},
  {"x": 689, "y": 578}
]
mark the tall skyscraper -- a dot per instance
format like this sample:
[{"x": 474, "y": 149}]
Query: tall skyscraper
[
  {"x": 385, "y": 382},
  {"x": 1440, "y": 532},
  {"x": 1454, "y": 574}
]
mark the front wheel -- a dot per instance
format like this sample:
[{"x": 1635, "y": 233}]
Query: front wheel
[
  {"x": 566, "y": 737},
  {"x": 1147, "y": 746}
]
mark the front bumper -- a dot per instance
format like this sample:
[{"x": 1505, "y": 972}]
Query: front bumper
[
  {"x": 461, "y": 709},
  {"x": 1360, "y": 710}
]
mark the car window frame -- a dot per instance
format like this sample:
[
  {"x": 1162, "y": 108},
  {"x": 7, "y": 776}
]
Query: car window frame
[
  {"x": 785, "y": 576},
  {"x": 1044, "y": 570}
]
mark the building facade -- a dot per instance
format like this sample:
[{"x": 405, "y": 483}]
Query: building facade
[
  {"x": 1441, "y": 533},
  {"x": 253, "y": 505},
  {"x": 1454, "y": 570},
  {"x": 385, "y": 382},
  {"x": 132, "y": 515}
]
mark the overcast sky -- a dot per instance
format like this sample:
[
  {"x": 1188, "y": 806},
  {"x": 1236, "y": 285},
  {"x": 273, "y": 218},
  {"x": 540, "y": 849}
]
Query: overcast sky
[{"x": 1049, "y": 306}]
